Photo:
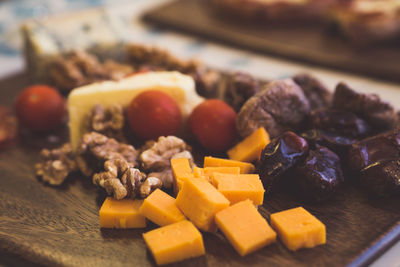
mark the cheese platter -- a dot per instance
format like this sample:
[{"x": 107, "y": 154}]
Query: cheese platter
[
  {"x": 104, "y": 133},
  {"x": 46, "y": 225}
]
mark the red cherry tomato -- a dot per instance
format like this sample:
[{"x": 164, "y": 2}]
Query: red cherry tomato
[
  {"x": 40, "y": 108},
  {"x": 154, "y": 113},
  {"x": 213, "y": 122}
]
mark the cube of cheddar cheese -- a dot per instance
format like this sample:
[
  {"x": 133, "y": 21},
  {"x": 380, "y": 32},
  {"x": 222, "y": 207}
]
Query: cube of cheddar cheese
[
  {"x": 174, "y": 242},
  {"x": 208, "y": 171},
  {"x": 218, "y": 162},
  {"x": 244, "y": 227},
  {"x": 122, "y": 213},
  {"x": 181, "y": 171},
  {"x": 239, "y": 187},
  {"x": 249, "y": 149},
  {"x": 198, "y": 172},
  {"x": 160, "y": 208},
  {"x": 297, "y": 228},
  {"x": 199, "y": 201}
]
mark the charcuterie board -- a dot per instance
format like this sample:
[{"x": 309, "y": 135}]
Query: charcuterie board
[{"x": 60, "y": 226}]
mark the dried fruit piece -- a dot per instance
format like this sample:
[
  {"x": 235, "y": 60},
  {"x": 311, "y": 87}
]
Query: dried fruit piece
[
  {"x": 370, "y": 107},
  {"x": 319, "y": 176},
  {"x": 240, "y": 87},
  {"x": 373, "y": 149},
  {"x": 279, "y": 156},
  {"x": 207, "y": 81},
  {"x": 316, "y": 92},
  {"x": 382, "y": 178},
  {"x": 338, "y": 144},
  {"x": 279, "y": 107},
  {"x": 342, "y": 123}
]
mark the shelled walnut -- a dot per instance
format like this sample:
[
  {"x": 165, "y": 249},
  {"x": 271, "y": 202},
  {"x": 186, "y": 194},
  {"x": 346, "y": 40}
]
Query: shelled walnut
[
  {"x": 108, "y": 121},
  {"x": 113, "y": 166},
  {"x": 79, "y": 68},
  {"x": 56, "y": 164},
  {"x": 95, "y": 149},
  {"x": 156, "y": 159},
  {"x": 153, "y": 56}
]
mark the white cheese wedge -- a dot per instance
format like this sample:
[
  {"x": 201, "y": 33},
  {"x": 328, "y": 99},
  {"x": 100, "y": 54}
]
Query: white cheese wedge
[{"x": 81, "y": 100}]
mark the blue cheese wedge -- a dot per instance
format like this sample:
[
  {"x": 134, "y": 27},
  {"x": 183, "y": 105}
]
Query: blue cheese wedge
[
  {"x": 97, "y": 31},
  {"x": 81, "y": 100}
]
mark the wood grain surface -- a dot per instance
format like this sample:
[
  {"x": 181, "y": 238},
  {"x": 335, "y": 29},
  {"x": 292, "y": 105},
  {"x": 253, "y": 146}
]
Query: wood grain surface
[
  {"x": 311, "y": 43},
  {"x": 43, "y": 225}
]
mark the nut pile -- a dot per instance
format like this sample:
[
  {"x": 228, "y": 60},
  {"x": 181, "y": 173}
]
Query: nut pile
[{"x": 119, "y": 168}]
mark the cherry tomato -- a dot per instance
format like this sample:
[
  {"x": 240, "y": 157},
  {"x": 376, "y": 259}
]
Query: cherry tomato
[
  {"x": 40, "y": 108},
  {"x": 154, "y": 113},
  {"x": 213, "y": 122}
]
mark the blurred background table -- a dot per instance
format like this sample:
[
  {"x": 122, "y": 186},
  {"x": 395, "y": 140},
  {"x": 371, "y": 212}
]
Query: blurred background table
[{"x": 13, "y": 13}]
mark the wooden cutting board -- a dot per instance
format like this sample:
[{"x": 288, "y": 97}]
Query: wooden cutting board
[
  {"x": 40, "y": 224},
  {"x": 312, "y": 43}
]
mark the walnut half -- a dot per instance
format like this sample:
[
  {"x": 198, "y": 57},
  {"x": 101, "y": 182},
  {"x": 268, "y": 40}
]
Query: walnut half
[
  {"x": 156, "y": 158},
  {"x": 56, "y": 164}
]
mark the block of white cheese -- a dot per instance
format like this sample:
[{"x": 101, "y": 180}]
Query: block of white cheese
[{"x": 81, "y": 100}]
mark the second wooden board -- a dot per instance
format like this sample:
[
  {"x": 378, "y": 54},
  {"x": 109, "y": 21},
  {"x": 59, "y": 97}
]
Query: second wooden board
[{"x": 307, "y": 43}]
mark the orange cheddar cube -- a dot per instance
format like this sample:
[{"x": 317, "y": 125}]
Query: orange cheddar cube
[
  {"x": 160, "y": 208},
  {"x": 244, "y": 227},
  {"x": 174, "y": 242},
  {"x": 249, "y": 149},
  {"x": 198, "y": 172},
  {"x": 199, "y": 201},
  {"x": 208, "y": 171},
  {"x": 297, "y": 228},
  {"x": 239, "y": 187},
  {"x": 245, "y": 167},
  {"x": 182, "y": 171},
  {"x": 122, "y": 213}
]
